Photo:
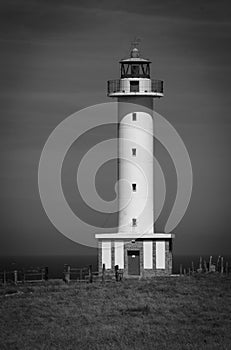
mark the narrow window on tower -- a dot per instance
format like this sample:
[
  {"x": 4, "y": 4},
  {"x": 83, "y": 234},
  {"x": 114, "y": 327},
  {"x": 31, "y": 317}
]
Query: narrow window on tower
[
  {"x": 134, "y": 116},
  {"x": 134, "y": 187},
  {"x": 134, "y": 222},
  {"x": 134, "y": 152}
]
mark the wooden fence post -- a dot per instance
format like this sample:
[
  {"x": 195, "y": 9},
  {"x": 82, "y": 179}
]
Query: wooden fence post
[
  {"x": 181, "y": 270},
  {"x": 103, "y": 273},
  {"x": 227, "y": 268},
  {"x": 67, "y": 273},
  {"x": 23, "y": 276},
  {"x": 199, "y": 270},
  {"x": 218, "y": 263},
  {"x": 90, "y": 274},
  {"x": 116, "y": 272},
  {"x": 210, "y": 262},
  {"x": 15, "y": 276},
  {"x": 205, "y": 266},
  {"x": 46, "y": 273},
  {"x": 4, "y": 277},
  {"x": 193, "y": 267},
  {"x": 222, "y": 264}
]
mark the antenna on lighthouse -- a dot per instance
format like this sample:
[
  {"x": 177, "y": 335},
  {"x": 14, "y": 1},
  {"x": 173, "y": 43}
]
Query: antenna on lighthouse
[
  {"x": 135, "y": 43},
  {"x": 135, "y": 47}
]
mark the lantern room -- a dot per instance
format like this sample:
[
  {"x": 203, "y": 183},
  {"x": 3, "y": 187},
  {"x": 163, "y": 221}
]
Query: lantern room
[{"x": 135, "y": 67}]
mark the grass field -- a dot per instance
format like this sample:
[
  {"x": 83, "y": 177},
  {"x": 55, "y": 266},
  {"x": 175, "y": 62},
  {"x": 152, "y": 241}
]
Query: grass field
[{"x": 163, "y": 313}]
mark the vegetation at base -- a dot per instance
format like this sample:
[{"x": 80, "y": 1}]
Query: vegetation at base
[{"x": 162, "y": 313}]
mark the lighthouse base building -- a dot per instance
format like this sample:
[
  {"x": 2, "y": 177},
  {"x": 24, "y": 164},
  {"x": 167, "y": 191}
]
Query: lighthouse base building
[
  {"x": 136, "y": 249},
  {"x": 144, "y": 257}
]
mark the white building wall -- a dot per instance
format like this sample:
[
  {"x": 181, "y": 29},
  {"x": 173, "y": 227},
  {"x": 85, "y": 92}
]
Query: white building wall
[
  {"x": 160, "y": 255},
  {"x": 148, "y": 254},
  {"x": 144, "y": 84},
  {"x": 136, "y": 169},
  {"x": 119, "y": 254},
  {"x": 106, "y": 254}
]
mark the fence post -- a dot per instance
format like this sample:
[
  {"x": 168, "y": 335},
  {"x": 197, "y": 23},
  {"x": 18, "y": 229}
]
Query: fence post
[
  {"x": 199, "y": 270},
  {"x": 90, "y": 273},
  {"x": 46, "y": 273},
  {"x": 227, "y": 268},
  {"x": 67, "y": 273},
  {"x": 4, "y": 277},
  {"x": 210, "y": 262},
  {"x": 15, "y": 277},
  {"x": 222, "y": 264},
  {"x": 205, "y": 266},
  {"x": 103, "y": 273},
  {"x": 193, "y": 267},
  {"x": 218, "y": 263},
  {"x": 23, "y": 276},
  {"x": 42, "y": 274},
  {"x": 180, "y": 270},
  {"x": 116, "y": 272}
]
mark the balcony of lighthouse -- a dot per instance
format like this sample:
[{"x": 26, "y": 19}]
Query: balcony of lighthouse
[{"x": 135, "y": 87}]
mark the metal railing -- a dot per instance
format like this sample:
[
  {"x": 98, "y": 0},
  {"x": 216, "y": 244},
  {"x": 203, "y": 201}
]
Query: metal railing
[{"x": 115, "y": 86}]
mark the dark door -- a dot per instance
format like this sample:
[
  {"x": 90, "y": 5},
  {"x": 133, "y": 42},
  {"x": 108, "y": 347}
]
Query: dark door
[
  {"x": 133, "y": 262},
  {"x": 134, "y": 86}
]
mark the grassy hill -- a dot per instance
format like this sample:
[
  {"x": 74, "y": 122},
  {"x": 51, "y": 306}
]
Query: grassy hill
[{"x": 163, "y": 313}]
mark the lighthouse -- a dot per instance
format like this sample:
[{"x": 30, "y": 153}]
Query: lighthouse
[{"x": 136, "y": 248}]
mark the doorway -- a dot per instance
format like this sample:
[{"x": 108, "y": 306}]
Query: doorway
[
  {"x": 133, "y": 262},
  {"x": 134, "y": 86}
]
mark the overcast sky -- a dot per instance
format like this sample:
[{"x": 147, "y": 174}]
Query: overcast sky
[{"x": 56, "y": 57}]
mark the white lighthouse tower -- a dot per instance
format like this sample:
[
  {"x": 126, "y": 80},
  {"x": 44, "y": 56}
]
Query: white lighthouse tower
[{"x": 136, "y": 248}]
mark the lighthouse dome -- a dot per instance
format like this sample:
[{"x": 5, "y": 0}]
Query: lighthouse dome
[{"x": 135, "y": 53}]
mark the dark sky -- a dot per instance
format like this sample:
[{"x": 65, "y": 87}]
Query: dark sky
[{"x": 56, "y": 57}]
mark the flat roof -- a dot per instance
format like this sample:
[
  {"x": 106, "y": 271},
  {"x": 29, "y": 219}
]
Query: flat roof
[
  {"x": 135, "y": 59},
  {"x": 134, "y": 235}
]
